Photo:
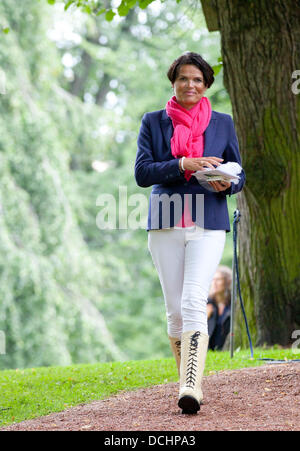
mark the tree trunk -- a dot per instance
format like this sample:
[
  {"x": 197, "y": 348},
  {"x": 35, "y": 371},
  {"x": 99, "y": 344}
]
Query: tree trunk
[
  {"x": 78, "y": 84},
  {"x": 261, "y": 50}
]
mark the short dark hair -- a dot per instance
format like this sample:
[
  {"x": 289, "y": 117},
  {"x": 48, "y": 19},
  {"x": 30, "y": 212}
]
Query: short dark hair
[{"x": 196, "y": 60}]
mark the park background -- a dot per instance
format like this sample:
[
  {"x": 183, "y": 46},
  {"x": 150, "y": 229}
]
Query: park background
[{"x": 76, "y": 88}]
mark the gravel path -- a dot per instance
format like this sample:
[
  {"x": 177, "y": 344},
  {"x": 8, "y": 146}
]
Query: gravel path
[{"x": 265, "y": 398}]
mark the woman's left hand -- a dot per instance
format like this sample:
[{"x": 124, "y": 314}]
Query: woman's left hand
[{"x": 220, "y": 186}]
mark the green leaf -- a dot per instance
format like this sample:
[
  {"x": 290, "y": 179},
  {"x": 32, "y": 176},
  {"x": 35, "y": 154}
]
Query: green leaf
[
  {"x": 5, "y": 30},
  {"x": 67, "y": 5},
  {"x": 100, "y": 12},
  {"x": 109, "y": 15},
  {"x": 87, "y": 9},
  {"x": 217, "y": 68},
  {"x": 123, "y": 9},
  {"x": 51, "y": 2},
  {"x": 144, "y": 3},
  {"x": 131, "y": 3}
]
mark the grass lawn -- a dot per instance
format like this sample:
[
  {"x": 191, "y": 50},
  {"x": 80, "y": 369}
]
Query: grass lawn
[{"x": 30, "y": 393}]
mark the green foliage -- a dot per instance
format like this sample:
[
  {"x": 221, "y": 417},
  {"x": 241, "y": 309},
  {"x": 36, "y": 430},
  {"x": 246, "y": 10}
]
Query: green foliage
[
  {"x": 218, "y": 67},
  {"x": 50, "y": 281},
  {"x": 70, "y": 292},
  {"x": 109, "y": 15},
  {"x": 97, "y": 7},
  {"x": 125, "y": 7}
]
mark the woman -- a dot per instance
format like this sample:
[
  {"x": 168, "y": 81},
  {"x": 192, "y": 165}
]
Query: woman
[
  {"x": 186, "y": 243},
  {"x": 218, "y": 308}
]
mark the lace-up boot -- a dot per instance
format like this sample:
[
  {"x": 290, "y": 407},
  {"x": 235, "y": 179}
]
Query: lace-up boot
[
  {"x": 193, "y": 355},
  {"x": 176, "y": 349}
]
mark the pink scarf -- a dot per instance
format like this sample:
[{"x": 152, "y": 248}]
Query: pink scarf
[
  {"x": 188, "y": 137},
  {"x": 189, "y": 127}
]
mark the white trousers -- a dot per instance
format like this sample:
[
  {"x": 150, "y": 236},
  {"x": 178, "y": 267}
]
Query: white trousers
[{"x": 186, "y": 260}]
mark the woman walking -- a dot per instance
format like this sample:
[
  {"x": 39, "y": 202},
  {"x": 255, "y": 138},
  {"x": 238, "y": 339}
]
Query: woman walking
[{"x": 186, "y": 246}]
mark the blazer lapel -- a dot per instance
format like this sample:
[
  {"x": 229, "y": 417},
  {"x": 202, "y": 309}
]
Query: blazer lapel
[
  {"x": 167, "y": 128},
  {"x": 209, "y": 133}
]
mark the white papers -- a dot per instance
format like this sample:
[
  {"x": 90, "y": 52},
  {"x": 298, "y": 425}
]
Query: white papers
[{"x": 227, "y": 172}]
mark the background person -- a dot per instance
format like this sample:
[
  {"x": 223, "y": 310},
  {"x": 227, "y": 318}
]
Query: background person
[{"x": 218, "y": 308}]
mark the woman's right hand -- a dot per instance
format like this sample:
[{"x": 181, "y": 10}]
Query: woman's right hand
[{"x": 198, "y": 164}]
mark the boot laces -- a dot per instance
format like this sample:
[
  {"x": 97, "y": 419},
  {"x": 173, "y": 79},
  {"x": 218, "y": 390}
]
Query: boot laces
[
  {"x": 192, "y": 360},
  {"x": 178, "y": 347}
]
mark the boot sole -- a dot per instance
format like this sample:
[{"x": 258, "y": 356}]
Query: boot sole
[{"x": 188, "y": 404}]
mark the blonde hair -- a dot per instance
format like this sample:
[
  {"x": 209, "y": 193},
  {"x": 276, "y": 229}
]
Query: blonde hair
[{"x": 226, "y": 273}]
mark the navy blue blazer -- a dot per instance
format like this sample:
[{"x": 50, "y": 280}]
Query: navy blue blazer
[{"x": 155, "y": 165}]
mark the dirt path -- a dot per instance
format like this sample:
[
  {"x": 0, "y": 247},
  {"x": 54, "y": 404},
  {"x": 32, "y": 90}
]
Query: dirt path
[{"x": 264, "y": 398}]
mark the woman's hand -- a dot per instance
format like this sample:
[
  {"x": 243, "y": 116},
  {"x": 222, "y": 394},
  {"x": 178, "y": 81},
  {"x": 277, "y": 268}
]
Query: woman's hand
[
  {"x": 197, "y": 164},
  {"x": 220, "y": 186}
]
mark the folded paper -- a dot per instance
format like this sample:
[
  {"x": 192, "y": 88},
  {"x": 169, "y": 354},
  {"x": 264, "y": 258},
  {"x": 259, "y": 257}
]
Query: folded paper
[{"x": 227, "y": 172}]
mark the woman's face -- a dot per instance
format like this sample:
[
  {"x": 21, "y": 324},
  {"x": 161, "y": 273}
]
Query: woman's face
[
  {"x": 189, "y": 86},
  {"x": 218, "y": 283}
]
